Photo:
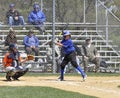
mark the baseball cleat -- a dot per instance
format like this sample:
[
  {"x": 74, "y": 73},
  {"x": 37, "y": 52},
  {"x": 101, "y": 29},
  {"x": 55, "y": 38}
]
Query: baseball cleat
[
  {"x": 84, "y": 78},
  {"x": 60, "y": 79}
]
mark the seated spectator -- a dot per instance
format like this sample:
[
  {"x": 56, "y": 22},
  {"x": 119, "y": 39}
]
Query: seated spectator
[
  {"x": 90, "y": 54},
  {"x": 31, "y": 43},
  {"x": 14, "y": 17},
  {"x": 37, "y": 18},
  {"x": 11, "y": 38}
]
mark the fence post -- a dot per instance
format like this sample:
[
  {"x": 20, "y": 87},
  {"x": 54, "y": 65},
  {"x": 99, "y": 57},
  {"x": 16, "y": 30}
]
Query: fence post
[{"x": 53, "y": 38}]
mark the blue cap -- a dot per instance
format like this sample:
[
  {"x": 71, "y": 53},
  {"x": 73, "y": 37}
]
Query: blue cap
[
  {"x": 36, "y": 6},
  {"x": 11, "y": 5},
  {"x": 65, "y": 33}
]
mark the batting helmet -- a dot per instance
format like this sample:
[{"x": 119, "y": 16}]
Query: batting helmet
[
  {"x": 11, "y": 5},
  {"x": 65, "y": 33}
]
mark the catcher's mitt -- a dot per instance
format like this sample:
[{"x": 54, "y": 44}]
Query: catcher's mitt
[{"x": 30, "y": 57}]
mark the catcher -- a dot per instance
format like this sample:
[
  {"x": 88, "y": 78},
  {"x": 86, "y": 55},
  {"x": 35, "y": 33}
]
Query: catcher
[{"x": 12, "y": 63}]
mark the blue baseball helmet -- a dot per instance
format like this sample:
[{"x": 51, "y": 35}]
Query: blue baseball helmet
[
  {"x": 65, "y": 33},
  {"x": 11, "y": 5}
]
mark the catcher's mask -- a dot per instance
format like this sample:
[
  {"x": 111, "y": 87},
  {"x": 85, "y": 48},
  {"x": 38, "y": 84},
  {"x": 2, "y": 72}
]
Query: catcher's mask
[{"x": 12, "y": 47}]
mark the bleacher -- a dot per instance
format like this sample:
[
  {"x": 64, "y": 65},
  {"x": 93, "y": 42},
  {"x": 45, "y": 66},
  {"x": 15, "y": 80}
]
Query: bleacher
[{"x": 79, "y": 33}]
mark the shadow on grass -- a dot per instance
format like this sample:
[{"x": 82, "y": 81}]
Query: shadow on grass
[{"x": 38, "y": 92}]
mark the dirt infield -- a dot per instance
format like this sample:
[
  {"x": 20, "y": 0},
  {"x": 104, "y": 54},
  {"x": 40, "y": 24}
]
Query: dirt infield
[{"x": 102, "y": 87}]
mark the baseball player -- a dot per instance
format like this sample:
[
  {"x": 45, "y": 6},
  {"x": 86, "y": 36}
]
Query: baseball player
[
  {"x": 12, "y": 64},
  {"x": 70, "y": 55}
]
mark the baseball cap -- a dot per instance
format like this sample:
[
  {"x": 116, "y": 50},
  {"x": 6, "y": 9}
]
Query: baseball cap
[
  {"x": 88, "y": 38},
  {"x": 65, "y": 33}
]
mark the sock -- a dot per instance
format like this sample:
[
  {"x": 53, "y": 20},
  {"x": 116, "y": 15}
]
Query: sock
[
  {"x": 81, "y": 71},
  {"x": 62, "y": 73}
]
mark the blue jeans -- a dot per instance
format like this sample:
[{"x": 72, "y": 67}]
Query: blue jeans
[{"x": 20, "y": 21}]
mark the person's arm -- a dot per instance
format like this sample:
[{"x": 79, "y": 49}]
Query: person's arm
[
  {"x": 8, "y": 14},
  {"x": 30, "y": 18},
  {"x": 36, "y": 41},
  {"x": 43, "y": 18},
  {"x": 25, "y": 42},
  {"x": 22, "y": 60},
  {"x": 4, "y": 61},
  {"x": 97, "y": 54},
  {"x": 59, "y": 44}
]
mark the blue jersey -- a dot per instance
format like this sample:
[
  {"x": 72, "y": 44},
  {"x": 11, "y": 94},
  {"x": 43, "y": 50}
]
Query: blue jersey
[{"x": 68, "y": 46}]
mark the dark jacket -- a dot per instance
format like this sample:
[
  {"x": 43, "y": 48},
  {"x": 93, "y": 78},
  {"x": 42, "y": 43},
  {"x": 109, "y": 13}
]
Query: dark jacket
[
  {"x": 13, "y": 14},
  {"x": 11, "y": 38}
]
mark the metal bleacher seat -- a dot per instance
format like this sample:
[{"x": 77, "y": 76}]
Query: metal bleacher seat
[{"x": 78, "y": 37}]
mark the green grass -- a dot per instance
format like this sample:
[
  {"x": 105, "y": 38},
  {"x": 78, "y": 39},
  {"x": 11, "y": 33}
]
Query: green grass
[
  {"x": 37, "y": 92},
  {"x": 118, "y": 86}
]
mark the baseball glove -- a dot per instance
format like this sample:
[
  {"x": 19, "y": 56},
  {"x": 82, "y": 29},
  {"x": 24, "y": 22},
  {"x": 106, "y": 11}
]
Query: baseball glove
[{"x": 30, "y": 57}]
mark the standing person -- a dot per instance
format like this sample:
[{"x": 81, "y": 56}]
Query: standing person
[
  {"x": 70, "y": 55},
  {"x": 14, "y": 17},
  {"x": 31, "y": 43},
  {"x": 90, "y": 54},
  {"x": 12, "y": 64},
  {"x": 78, "y": 52},
  {"x": 11, "y": 38},
  {"x": 37, "y": 18}
]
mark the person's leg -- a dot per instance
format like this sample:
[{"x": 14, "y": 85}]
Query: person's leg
[
  {"x": 63, "y": 64},
  {"x": 28, "y": 50},
  {"x": 19, "y": 74},
  {"x": 96, "y": 61},
  {"x": 10, "y": 71},
  {"x": 20, "y": 71},
  {"x": 10, "y": 21},
  {"x": 21, "y": 20},
  {"x": 41, "y": 29},
  {"x": 74, "y": 63},
  {"x": 85, "y": 63},
  {"x": 36, "y": 50}
]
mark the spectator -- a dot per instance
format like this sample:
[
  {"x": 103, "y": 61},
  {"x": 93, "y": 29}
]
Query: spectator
[
  {"x": 11, "y": 62},
  {"x": 14, "y": 17},
  {"x": 90, "y": 54},
  {"x": 31, "y": 43},
  {"x": 37, "y": 18},
  {"x": 11, "y": 38}
]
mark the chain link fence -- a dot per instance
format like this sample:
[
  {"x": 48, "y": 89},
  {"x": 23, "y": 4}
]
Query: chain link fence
[{"x": 75, "y": 13}]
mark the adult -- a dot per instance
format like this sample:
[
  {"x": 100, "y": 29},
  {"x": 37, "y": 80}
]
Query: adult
[
  {"x": 37, "y": 18},
  {"x": 14, "y": 17},
  {"x": 90, "y": 54},
  {"x": 11, "y": 38},
  {"x": 31, "y": 43}
]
